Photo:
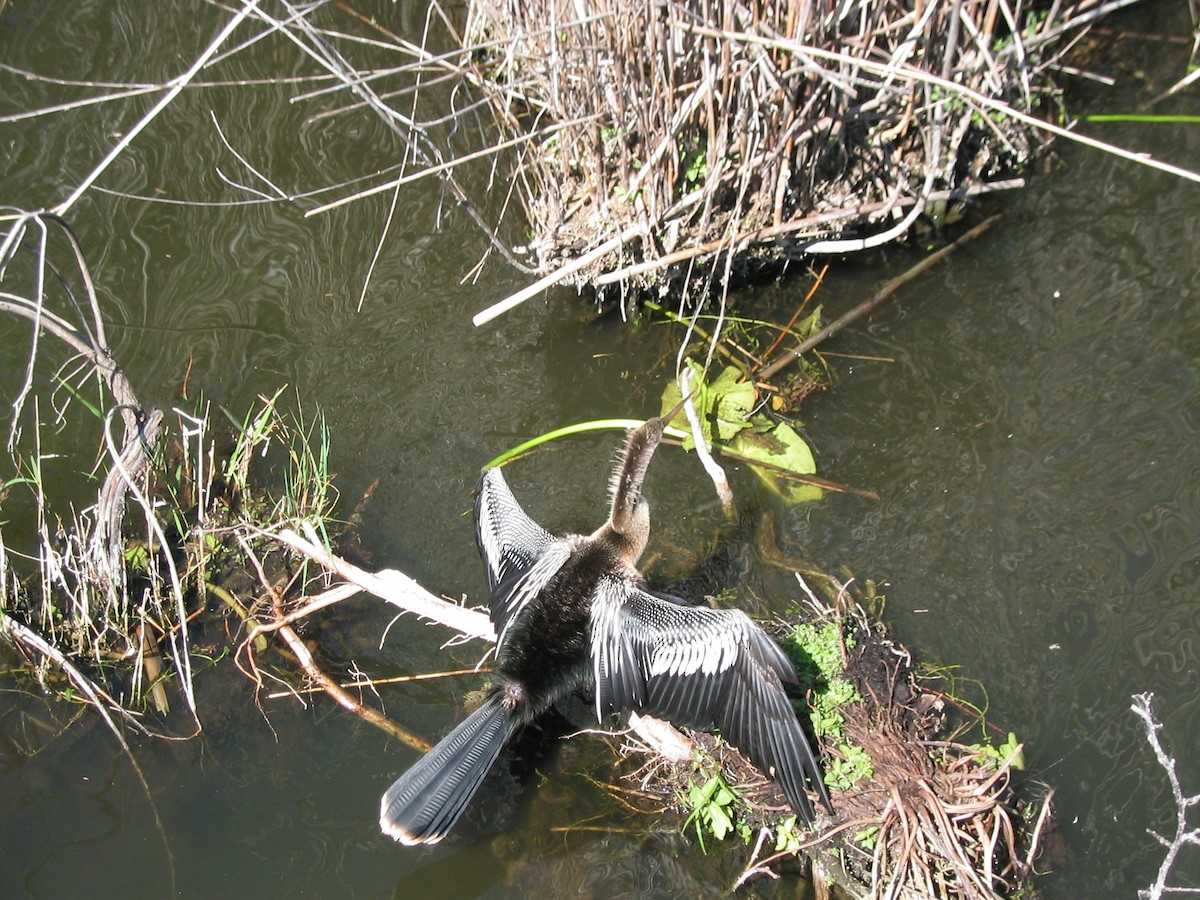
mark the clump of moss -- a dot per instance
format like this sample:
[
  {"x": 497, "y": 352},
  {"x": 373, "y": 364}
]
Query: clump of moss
[{"x": 818, "y": 653}]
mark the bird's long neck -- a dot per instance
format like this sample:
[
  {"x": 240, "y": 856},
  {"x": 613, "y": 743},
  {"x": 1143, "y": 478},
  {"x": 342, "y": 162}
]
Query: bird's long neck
[{"x": 626, "y": 487}]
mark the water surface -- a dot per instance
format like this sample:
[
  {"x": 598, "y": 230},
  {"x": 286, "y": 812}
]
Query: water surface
[{"x": 1033, "y": 441}]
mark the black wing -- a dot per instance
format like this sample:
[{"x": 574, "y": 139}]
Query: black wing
[
  {"x": 520, "y": 556},
  {"x": 509, "y": 541},
  {"x": 703, "y": 668}
]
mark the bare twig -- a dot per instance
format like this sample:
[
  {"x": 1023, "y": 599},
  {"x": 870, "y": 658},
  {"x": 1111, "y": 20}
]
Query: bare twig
[
  {"x": 175, "y": 86},
  {"x": 881, "y": 295},
  {"x": 715, "y": 472},
  {"x": 1184, "y": 835},
  {"x": 309, "y": 664},
  {"x": 391, "y": 585}
]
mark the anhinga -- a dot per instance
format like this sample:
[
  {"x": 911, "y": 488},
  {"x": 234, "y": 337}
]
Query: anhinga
[{"x": 573, "y": 613}]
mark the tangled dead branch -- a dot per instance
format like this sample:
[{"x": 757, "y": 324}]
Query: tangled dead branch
[
  {"x": 84, "y": 559},
  {"x": 1184, "y": 835}
]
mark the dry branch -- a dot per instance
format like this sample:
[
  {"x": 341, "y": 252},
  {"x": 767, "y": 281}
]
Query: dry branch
[
  {"x": 85, "y": 562},
  {"x": 875, "y": 299},
  {"x": 1184, "y": 835},
  {"x": 391, "y": 585}
]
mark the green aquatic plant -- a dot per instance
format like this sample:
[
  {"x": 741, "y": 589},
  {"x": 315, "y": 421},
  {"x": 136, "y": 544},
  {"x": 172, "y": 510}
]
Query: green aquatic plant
[
  {"x": 1008, "y": 752},
  {"x": 787, "y": 836},
  {"x": 849, "y": 767},
  {"x": 712, "y": 805},
  {"x": 816, "y": 652},
  {"x": 567, "y": 431},
  {"x": 726, "y": 409},
  {"x": 1142, "y": 119}
]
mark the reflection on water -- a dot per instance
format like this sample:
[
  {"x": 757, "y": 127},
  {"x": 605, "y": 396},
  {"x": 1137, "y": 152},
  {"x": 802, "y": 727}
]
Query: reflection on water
[{"x": 1034, "y": 442}]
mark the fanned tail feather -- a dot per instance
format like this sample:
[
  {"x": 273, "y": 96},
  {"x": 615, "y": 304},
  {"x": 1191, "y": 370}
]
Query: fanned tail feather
[{"x": 424, "y": 803}]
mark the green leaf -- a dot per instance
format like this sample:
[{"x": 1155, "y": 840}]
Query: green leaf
[
  {"x": 137, "y": 557},
  {"x": 719, "y": 822},
  {"x": 734, "y": 401},
  {"x": 786, "y": 836},
  {"x": 781, "y": 447},
  {"x": 808, "y": 326}
]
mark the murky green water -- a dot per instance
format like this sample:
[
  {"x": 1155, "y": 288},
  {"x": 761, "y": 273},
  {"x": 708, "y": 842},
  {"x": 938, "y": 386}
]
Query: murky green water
[{"x": 1034, "y": 442}]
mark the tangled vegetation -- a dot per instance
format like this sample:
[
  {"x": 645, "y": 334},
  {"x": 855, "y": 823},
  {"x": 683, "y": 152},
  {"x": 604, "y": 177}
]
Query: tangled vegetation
[
  {"x": 660, "y": 141},
  {"x": 918, "y": 810},
  {"x": 703, "y": 140}
]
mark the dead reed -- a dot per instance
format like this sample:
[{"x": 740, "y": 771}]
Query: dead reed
[{"x": 653, "y": 137}]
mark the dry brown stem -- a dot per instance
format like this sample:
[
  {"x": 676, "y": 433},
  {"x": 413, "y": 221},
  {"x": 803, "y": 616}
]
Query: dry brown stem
[
  {"x": 705, "y": 131},
  {"x": 878, "y": 297},
  {"x": 281, "y": 625}
]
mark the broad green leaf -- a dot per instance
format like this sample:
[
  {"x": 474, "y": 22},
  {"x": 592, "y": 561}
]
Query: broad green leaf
[
  {"x": 809, "y": 324},
  {"x": 782, "y": 447},
  {"x": 719, "y": 822},
  {"x": 734, "y": 400},
  {"x": 726, "y": 403}
]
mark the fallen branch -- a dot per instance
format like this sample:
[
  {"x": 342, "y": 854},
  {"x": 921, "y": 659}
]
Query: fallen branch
[
  {"x": 1183, "y": 835},
  {"x": 557, "y": 276},
  {"x": 389, "y": 585},
  {"x": 400, "y": 590},
  {"x": 313, "y": 670}
]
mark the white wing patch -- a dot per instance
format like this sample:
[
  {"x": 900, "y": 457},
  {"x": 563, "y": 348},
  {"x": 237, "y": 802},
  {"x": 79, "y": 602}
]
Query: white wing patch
[
  {"x": 617, "y": 672},
  {"x": 711, "y": 648},
  {"x": 638, "y": 638},
  {"x": 508, "y": 538}
]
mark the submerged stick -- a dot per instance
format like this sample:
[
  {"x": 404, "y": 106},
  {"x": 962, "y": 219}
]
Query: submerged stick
[
  {"x": 883, "y": 294},
  {"x": 177, "y": 85},
  {"x": 19, "y": 633}
]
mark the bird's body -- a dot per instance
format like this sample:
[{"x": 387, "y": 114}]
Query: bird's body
[{"x": 574, "y": 614}]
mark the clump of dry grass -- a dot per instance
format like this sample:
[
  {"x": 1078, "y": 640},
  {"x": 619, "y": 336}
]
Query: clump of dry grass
[{"x": 675, "y": 133}]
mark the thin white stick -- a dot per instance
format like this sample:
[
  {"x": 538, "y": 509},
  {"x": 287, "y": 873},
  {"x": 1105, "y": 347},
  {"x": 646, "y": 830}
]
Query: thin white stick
[
  {"x": 78, "y": 104},
  {"x": 714, "y": 470},
  {"x": 391, "y": 585},
  {"x": 283, "y": 195},
  {"x": 548, "y": 281},
  {"x": 177, "y": 84}
]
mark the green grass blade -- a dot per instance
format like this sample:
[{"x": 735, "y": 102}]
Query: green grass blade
[{"x": 594, "y": 425}]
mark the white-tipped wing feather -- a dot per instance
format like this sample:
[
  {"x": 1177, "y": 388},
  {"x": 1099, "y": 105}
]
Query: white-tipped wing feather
[
  {"x": 702, "y": 668},
  {"x": 509, "y": 541}
]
